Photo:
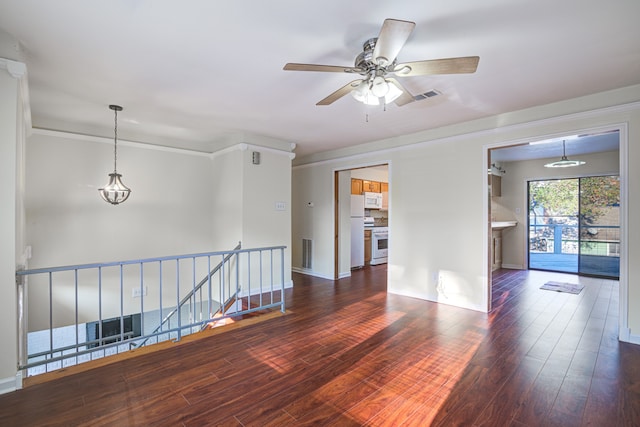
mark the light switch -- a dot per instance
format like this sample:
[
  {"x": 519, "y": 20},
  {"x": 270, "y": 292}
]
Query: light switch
[{"x": 281, "y": 206}]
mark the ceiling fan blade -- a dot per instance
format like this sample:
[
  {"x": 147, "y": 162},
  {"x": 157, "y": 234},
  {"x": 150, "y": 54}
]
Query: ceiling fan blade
[
  {"x": 461, "y": 65},
  {"x": 291, "y": 66},
  {"x": 392, "y": 37},
  {"x": 339, "y": 93},
  {"x": 403, "y": 99}
]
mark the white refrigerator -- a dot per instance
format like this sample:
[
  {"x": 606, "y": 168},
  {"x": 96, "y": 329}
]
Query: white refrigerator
[{"x": 357, "y": 231}]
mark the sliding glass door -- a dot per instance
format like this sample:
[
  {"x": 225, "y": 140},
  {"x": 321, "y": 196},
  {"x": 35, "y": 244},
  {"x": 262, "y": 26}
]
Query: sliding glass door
[{"x": 574, "y": 225}]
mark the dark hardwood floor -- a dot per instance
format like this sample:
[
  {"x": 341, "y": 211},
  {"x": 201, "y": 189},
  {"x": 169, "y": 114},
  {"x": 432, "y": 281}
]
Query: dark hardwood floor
[{"x": 348, "y": 354}]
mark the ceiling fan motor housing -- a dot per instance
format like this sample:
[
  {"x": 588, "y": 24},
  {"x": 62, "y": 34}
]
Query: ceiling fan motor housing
[{"x": 366, "y": 62}]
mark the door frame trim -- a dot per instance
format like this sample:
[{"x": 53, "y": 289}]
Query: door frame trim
[{"x": 624, "y": 333}]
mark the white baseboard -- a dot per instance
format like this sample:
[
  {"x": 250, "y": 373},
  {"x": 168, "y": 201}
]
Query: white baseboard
[
  {"x": 9, "y": 384},
  {"x": 310, "y": 273},
  {"x": 513, "y": 266},
  {"x": 626, "y": 336},
  {"x": 256, "y": 291}
]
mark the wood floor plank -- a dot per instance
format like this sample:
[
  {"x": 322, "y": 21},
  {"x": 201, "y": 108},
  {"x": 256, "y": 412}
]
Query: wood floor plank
[{"x": 347, "y": 353}]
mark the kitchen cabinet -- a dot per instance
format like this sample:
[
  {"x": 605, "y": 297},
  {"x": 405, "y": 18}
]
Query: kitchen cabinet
[
  {"x": 359, "y": 186},
  {"x": 370, "y": 186},
  {"x": 356, "y": 186},
  {"x": 367, "y": 247},
  {"x": 496, "y": 185}
]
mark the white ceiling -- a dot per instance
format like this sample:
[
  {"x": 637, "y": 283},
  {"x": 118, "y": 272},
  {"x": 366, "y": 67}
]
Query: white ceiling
[
  {"x": 203, "y": 74},
  {"x": 574, "y": 146}
]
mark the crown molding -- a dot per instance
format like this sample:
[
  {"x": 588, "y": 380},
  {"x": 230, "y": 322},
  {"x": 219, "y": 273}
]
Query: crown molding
[
  {"x": 16, "y": 69},
  {"x": 146, "y": 146}
]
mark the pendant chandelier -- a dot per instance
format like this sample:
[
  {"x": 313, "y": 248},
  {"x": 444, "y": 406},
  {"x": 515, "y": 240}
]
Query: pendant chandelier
[
  {"x": 564, "y": 162},
  {"x": 115, "y": 192}
]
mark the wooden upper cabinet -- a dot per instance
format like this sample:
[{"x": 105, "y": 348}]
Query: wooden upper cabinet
[
  {"x": 496, "y": 186},
  {"x": 371, "y": 186},
  {"x": 359, "y": 186},
  {"x": 356, "y": 186}
]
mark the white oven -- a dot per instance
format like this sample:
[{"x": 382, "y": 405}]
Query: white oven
[{"x": 379, "y": 245}]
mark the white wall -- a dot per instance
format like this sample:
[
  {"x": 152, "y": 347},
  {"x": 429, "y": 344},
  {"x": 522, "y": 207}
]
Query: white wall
[
  {"x": 168, "y": 213},
  {"x": 514, "y": 196},
  {"x": 438, "y": 237},
  {"x": 266, "y": 210},
  {"x": 10, "y": 236},
  {"x": 312, "y": 214},
  {"x": 226, "y": 192}
]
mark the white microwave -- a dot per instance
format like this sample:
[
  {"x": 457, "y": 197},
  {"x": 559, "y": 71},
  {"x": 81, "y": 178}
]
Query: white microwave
[{"x": 372, "y": 200}]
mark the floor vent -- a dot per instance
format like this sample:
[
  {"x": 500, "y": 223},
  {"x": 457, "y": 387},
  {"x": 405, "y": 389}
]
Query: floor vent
[
  {"x": 307, "y": 253},
  {"x": 429, "y": 94}
]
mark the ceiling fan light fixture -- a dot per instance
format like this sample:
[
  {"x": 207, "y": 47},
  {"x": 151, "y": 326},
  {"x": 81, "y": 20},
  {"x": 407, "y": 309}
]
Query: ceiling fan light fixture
[
  {"x": 362, "y": 93},
  {"x": 367, "y": 93},
  {"x": 393, "y": 94},
  {"x": 379, "y": 59},
  {"x": 564, "y": 162},
  {"x": 379, "y": 87}
]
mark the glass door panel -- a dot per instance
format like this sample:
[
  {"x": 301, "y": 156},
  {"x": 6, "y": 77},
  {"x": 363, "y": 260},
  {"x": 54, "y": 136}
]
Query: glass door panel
[
  {"x": 599, "y": 253},
  {"x": 553, "y": 225}
]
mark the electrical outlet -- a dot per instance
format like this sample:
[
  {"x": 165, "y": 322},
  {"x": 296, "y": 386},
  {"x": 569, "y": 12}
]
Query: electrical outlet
[{"x": 137, "y": 292}]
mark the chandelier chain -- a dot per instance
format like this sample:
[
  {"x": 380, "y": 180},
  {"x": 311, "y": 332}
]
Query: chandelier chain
[{"x": 115, "y": 142}]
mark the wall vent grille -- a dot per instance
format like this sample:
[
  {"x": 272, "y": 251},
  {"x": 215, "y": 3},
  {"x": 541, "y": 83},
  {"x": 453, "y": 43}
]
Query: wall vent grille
[{"x": 307, "y": 253}]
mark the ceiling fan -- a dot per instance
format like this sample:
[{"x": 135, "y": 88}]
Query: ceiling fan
[{"x": 377, "y": 65}]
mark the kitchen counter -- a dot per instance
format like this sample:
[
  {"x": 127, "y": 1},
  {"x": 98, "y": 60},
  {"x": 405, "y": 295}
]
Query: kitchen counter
[{"x": 501, "y": 225}]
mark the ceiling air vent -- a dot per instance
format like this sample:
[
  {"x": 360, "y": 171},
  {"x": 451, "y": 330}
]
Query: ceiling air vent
[{"x": 428, "y": 94}]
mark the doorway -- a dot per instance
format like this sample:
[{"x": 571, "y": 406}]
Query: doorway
[
  {"x": 520, "y": 162},
  {"x": 354, "y": 228},
  {"x": 574, "y": 225}
]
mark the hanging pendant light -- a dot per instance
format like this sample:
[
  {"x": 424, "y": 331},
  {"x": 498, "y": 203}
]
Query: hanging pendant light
[
  {"x": 564, "y": 162},
  {"x": 115, "y": 192}
]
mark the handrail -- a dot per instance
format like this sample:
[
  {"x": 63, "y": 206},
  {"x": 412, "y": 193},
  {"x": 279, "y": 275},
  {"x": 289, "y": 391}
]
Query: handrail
[
  {"x": 189, "y": 295},
  {"x": 94, "y": 312}
]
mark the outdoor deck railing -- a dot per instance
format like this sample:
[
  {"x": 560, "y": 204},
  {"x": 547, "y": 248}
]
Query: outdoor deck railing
[
  {"x": 601, "y": 240},
  {"x": 89, "y": 311}
]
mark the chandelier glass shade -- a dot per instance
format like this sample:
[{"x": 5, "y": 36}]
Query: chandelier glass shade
[
  {"x": 115, "y": 192},
  {"x": 372, "y": 91}
]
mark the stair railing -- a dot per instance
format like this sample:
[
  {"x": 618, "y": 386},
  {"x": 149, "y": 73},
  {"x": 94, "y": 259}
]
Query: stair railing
[
  {"x": 190, "y": 296},
  {"x": 82, "y": 312}
]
